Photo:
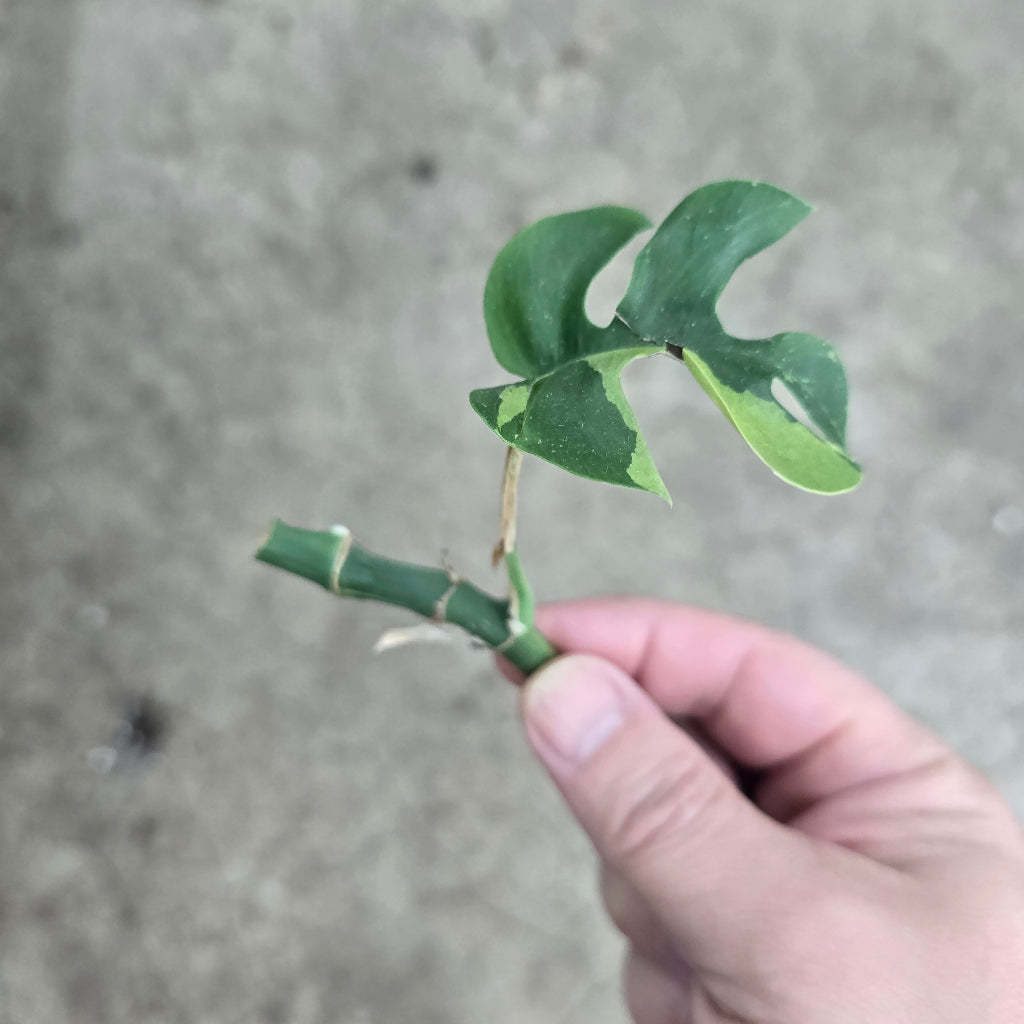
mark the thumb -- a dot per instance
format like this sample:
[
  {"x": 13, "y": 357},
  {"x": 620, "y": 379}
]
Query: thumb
[{"x": 715, "y": 869}]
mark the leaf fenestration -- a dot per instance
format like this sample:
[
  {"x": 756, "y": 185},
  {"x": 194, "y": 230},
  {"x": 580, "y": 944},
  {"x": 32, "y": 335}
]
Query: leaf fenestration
[
  {"x": 534, "y": 297},
  {"x": 570, "y": 408}
]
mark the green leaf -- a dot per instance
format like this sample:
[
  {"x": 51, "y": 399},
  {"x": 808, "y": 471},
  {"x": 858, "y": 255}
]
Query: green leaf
[
  {"x": 533, "y": 301},
  {"x": 570, "y": 408},
  {"x": 578, "y": 418},
  {"x": 782, "y": 443},
  {"x": 677, "y": 281}
]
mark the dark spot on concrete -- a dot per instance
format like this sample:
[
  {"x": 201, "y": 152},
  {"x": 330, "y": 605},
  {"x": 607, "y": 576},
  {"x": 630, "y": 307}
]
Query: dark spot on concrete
[
  {"x": 128, "y": 912},
  {"x": 41, "y": 716},
  {"x": 144, "y": 830},
  {"x": 424, "y": 168},
  {"x": 81, "y": 571},
  {"x": 170, "y": 428},
  {"x": 147, "y": 395},
  {"x": 485, "y": 44},
  {"x": 84, "y": 987},
  {"x": 46, "y": 909},
  {"x": 62, "y": 234},
  {"x": 144, "y": 727},
  {"x": 572, "y": 55},
  {"x": 464, "y": 707},
  {"x": 275, "y": 1011},
  {"x": 281, "y": 22},
  {"x": 15, "y": 427},
  {"x": 23, "y": 366}
]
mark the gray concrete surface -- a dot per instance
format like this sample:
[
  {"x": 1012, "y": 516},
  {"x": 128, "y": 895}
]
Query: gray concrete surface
[{"x": 242, "y": 247}]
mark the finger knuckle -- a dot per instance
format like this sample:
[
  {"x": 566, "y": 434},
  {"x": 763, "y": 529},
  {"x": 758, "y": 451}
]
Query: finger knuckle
[{"x": 652, "y": 805}]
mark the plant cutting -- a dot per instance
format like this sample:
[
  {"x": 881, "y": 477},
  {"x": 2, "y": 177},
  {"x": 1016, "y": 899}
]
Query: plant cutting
[{"x": 567, "y": 405}]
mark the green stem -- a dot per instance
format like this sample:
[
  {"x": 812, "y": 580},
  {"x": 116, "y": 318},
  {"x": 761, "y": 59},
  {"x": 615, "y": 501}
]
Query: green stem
[
  {"x": 332, "y": 559},
  {"x": 520, "y": 587}
]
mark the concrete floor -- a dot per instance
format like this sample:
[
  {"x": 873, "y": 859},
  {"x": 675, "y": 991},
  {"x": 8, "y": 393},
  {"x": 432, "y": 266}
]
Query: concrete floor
[{"x": 242, "y": 249}]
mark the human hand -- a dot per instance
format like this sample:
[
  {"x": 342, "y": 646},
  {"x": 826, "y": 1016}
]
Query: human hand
[{"x": 872, "y": 876}]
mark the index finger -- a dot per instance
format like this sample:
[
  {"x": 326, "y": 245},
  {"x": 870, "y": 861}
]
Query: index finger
[{"x": 769, "y": 701}]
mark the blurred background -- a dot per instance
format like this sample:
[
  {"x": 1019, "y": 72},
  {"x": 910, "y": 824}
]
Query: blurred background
[{"x": 242, "y": 251}]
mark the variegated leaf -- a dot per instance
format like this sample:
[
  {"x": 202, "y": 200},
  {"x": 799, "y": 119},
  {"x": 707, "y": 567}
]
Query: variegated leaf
[
  {"x": 577, "y": 417},
  {"x": 570, "y": 408}
]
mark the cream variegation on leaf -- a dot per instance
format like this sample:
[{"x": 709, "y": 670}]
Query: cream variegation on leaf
[{"x": 570, "y": 409}]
